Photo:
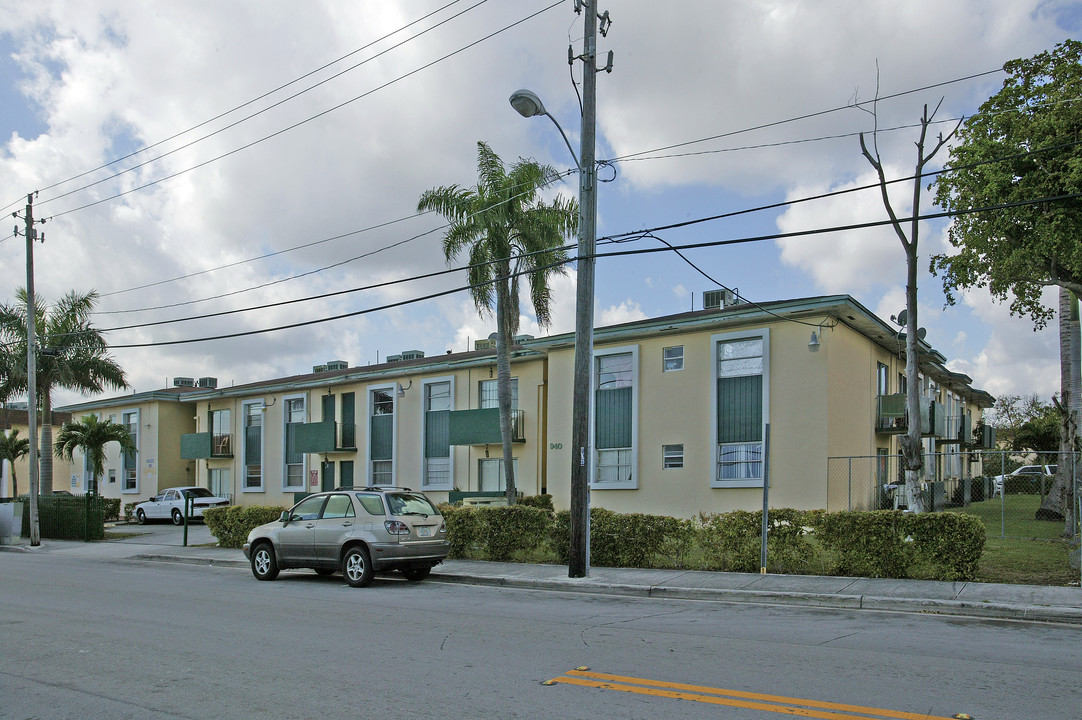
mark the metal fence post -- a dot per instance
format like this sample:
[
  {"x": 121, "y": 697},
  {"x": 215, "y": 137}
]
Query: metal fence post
[{"x": 850, "y": 484}]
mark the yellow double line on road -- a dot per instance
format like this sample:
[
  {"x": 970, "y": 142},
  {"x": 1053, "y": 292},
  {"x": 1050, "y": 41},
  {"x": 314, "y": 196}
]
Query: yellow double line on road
[{"x": 798, "y": 707}]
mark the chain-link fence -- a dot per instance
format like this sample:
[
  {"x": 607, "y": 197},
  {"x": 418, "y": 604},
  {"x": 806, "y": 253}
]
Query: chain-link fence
[{"x": 1006, "y": 490}]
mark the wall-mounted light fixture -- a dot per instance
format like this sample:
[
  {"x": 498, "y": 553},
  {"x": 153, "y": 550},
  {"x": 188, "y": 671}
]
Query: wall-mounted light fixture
[{"x": 401, "y": 391}]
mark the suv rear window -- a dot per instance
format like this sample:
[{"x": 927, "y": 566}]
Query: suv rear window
[
  {"x": 410, "y": 504},
  {"x": 372, "y": 504}
]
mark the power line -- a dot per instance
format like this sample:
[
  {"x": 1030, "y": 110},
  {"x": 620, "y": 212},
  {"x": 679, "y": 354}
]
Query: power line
[
  {"x": 266, "y": 109},
  {"x": 807, "y": 116},
  {"x": 307, "y": 120},
  {"x": 253, "y": 100}
]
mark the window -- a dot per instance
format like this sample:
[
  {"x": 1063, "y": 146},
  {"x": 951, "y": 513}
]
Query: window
[
  {"x": 221, "y": 433},
  {"x": 219, "y": 483},
  {"x": 112, "y": 475},
  {"x": 741, "y": 396},
  {"x": 372, "y": 504},
  {"x": 882, "y": 375},
  {"x": 253, "y": 446},
  {"x": 672, "y": 358},
  {"x": 338, "y": 507},
  {"x": 615, "y": 418},
  {"x": 293, "y": 473},
  {"x": 436, "y": 442},
  {"x": 129, "y": 463},
  {"x": 491, "y": 476},
  {"x": 381, "y": 436},
  {"x": 488, "y": 398},
  {"x": 672, "y": 456}
]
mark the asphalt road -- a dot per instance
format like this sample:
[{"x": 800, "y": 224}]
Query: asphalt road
[{"x": 95, "y": 639}]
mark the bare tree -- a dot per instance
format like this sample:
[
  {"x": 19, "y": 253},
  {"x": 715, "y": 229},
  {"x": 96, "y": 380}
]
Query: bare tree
[{"x": 912, "y": 457}]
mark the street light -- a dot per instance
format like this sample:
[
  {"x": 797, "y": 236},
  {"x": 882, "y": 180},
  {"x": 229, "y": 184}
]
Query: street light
[{"x": 528, "y": 104}]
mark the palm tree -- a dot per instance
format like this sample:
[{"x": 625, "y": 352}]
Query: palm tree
[
  {"x": 77, "y": 358},
  {"x": 507, "y": 232},
  {"x": 13, "y": 447},
  {"x": 92, "y": 436}
]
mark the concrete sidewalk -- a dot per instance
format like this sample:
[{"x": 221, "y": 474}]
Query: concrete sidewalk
[{"x": 987, "y": 600}]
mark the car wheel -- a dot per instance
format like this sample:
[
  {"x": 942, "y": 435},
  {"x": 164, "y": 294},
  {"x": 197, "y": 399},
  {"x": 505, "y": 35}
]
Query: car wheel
[
  {"x": 357, "y": 567},
  {"x": 414, "y": 574},
  {"x": 140, "y": 517},
  {"x": 325, "y": 571},
  {"x": 264, "y": 566},
  {"x": 178, "y": 519}
]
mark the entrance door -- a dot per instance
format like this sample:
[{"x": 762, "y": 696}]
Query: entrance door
[{"x": 326, "y": 471}]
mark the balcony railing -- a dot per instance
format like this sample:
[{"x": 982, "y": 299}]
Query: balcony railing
[
  {"x": 205, "y": 446},
  {"x": 891, "y": 417},
  {"x": 482, "y": 427},
  {"x": 326, "y": 437}
]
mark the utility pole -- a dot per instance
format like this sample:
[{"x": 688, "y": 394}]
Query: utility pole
[
  {"x": 581, "y": 452},
  {"x": 31, "y": 234}
]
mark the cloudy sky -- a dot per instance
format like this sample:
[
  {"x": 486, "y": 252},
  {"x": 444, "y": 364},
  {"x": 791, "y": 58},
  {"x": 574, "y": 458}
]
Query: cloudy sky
[{"x": 202, "y": 156}]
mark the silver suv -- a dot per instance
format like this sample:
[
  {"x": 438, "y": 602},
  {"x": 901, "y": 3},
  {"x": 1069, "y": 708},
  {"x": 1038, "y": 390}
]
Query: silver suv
[{"x": 355, "y": 530}]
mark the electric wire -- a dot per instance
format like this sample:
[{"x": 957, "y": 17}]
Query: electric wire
[
  {"x": 260, "y": 112},
  {"x": 307, "y": 120},
  {"x": 249, "y": 102}
]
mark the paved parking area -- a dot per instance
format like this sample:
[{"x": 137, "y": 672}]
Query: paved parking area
[{"x": 161, "y": 533}]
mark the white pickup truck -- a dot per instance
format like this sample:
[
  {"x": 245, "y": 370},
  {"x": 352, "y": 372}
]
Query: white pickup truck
[{"x": 1031, "y": 472}]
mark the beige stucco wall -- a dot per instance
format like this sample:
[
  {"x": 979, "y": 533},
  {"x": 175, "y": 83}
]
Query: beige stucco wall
[{"x": 61, "y": 468}]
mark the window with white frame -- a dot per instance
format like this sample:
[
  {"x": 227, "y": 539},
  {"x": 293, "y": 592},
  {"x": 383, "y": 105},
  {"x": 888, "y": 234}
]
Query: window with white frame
[
  {"x": 381, "y": 436},
  {"x": 221, "y": 433},
  {"x": 672, "y": 456},
  {"x": 741, "y": 395},
  {"x": 672, "y": 358},
  {"x": 129, "y": 461},
  {"x": 491, "y": 476},
  {"x": 294, "y": 417},
  {"x": 488, "y": 394},
  {"x": 219, "y": 483},
  {"x": 615, "y": 417},
  {"x": 437, "y": 447},
  {"x": 253, "y": 446}
]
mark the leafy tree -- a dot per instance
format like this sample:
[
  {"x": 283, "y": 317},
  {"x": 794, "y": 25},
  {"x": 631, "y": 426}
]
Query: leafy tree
[
  {"x": 92, "y": 435},
  {"x": 77, "y": 358},
  {"x": 1040, "y": 433},
  {"x": 1024, "y": 147},
  {"x": 13, "y": 447},
  {"x": 507, "y": 231}
]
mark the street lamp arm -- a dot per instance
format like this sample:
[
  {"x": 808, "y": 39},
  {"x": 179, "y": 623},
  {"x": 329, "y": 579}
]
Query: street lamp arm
[{"x": 528, "y": 104}]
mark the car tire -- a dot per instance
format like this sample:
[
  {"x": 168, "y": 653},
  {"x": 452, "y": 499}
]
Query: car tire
[
  {"x": 324, "y": 572},
  {"x": 415, "y": 574},
  {"x": 178, "y": 519},
  {"x": 264, "y": 565},
  {"x": 140, "y": 517},
  {"x": 357, "y": 567}
]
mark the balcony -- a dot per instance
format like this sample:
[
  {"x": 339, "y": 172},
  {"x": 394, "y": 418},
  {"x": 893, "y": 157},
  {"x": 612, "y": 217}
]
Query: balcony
[
  {"x": 325, "y": 437},
  {"x": 482, "y": 427},
  {"x": 891, "y": 417},
  {"x": 959, "y": 431},
  {"x": 206, "y": 446}
]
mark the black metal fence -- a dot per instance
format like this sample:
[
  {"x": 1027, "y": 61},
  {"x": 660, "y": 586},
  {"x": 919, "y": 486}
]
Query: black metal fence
[{"x": 67, "y": 517}]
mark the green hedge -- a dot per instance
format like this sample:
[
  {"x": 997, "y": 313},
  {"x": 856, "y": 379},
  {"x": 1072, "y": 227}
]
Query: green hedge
[
  {"x": 733, "y": 541},
  {"x": 232, "y": 524},
  {"x": 890, "y": 543},
  {"x": 627, "y": 540},
  {"x": 497, "y": 533}
]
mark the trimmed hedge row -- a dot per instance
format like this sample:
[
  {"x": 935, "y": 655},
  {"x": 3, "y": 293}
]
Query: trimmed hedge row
[
  {"x": 232, "y": 524},
  {"x": 885, "y": 543}
]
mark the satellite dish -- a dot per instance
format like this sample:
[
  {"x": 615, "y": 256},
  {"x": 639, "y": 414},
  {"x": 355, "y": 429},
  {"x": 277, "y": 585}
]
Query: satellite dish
[
  {"x": 921, "y": 332},
  {"x": 903, "y": 317}
]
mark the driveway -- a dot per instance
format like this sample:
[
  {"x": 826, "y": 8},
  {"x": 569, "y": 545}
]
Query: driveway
[{"x": 164, "y": 533}]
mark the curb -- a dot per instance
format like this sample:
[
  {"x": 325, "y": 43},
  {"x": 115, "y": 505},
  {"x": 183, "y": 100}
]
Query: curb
[{"x": 1005, "y": 611}]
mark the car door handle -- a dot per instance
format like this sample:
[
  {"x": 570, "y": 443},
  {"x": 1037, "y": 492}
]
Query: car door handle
[
  {"x": 347, "y": 523},
  {"x": 310, "y": 525}
]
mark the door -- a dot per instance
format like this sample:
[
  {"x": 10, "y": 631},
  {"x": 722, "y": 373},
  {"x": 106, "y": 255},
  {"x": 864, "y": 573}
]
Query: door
[
  {"x": 296, "y": 542},
  {"x": 326, "y": 474},
  {"x": 332, "y": 529}
]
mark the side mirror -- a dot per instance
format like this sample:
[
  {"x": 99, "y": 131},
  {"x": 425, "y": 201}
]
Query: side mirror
[{"x": 285, "y": 517}]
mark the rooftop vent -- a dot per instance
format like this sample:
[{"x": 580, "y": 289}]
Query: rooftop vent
[
  {"x": 714, "y": 299},
  {"x": 406, "y": 355},
  {"x": 487, "y": 344},
  {"x": 208, "y": 382},
  {"x": 183, "y": 382},
  {"x": 337, "y": 365}
]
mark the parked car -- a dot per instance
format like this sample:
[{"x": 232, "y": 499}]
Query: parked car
[
  {"x": 355, "y": 530},
  {"x": 1028, "y": 475},
  {"x": 169, "y": 505}
]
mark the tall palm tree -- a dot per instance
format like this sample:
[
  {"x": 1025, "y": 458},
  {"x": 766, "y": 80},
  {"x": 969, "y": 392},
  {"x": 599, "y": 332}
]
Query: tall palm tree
[
  {"x": 77, "y": 358},
  {"x": 92, "y": 436},
  {"x": 13, "y": 447},
  {"x": 507, "y": 231}
]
